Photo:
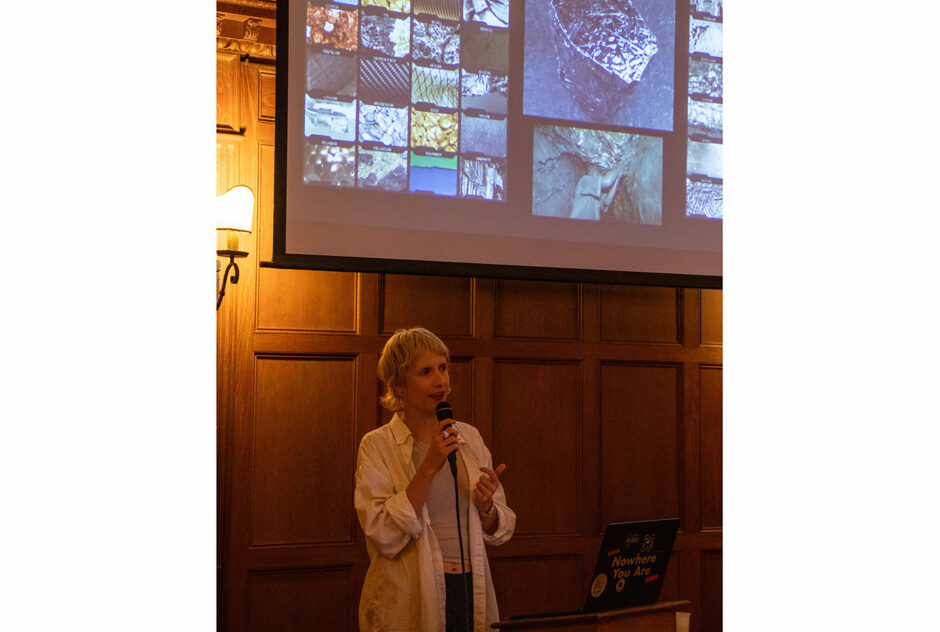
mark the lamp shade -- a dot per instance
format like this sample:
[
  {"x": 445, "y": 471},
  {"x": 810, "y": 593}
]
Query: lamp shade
[{"x": 234, "y": 209}]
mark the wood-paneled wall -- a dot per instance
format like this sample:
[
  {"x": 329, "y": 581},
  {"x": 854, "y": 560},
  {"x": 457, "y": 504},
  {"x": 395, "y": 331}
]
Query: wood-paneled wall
[{"x": 603, "y": 400}]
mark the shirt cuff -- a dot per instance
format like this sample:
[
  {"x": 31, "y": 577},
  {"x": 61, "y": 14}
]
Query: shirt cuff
[{"x": 402, "y": 513}]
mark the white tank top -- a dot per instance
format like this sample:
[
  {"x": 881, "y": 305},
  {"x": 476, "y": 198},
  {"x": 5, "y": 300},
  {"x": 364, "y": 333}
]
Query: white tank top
[{"x": 440, "y": 504}]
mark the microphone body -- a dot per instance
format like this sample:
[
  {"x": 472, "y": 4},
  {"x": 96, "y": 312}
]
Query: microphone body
[{"x": 444, "y": 411}]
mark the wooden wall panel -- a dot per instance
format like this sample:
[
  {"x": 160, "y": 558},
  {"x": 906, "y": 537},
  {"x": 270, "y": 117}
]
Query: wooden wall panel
[
  {"x": 266, "y": 100},
  {"x": 639, "y": 442},
  {"x": 307, "y": 300},
  {"x": 537, "y": 426},
  {"x": 301, "y": 600},
  {"x": 634, "y": 313},
  {"x": 461, "y": 396},
  {"x": 442, "y": 304},
  {"x": 264, "y": 221},
  {"x": 303, "y": 451},
  {"x": 711, "y": 438},
  {"x": 672, "y": 583},
  {"x": 537, "y": 309},
  {"x": 711, "y": 317},
  {"x": 228, "y": 153},
  {"x": 236, "y": 165},
  {"x": 228, "y": 92},
  {"x": 711, "y": 602},
  {"x": 531, "y": 585}
]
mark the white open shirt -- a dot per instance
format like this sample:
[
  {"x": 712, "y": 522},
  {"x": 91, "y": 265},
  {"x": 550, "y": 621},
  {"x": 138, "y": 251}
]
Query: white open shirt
[{"x": 404, "y": 587}]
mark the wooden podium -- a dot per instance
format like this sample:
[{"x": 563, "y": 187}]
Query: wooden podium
[{"x": 657, "y": 617}]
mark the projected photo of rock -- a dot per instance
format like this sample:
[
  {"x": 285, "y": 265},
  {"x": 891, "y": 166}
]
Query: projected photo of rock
[
  {"x": 383, "y": 124},
  {"x": 384, "y": 81},
  {"x": 483, "y": 177},
  {"x": 386, "y": 35},
  {"x": 604, "y": 61},
  {"x": 398, "y": 6},
  {"x": 330, "y": 73},
  {"x": 435, "y": 130},
  {"x": 704, "y": 198},
  {"x": 330, "y": 164},
  {"x": 335, "y": 28},
  {"x": 330, "y": 118},
  {"x": 704, "y": 181},
  {"x": 436, "y": 42},
  {"x": 436, "y": 86},
  {"x": 711, "y": 8},
  {"x": 480, "y": 135},
  {"x": 484, "y": 91},
  {"x": 484, "y": 48},
  {"x": 593, "y": 175},
  {"x": 491, "y": 12},
  {"x": 705, "y": 120},
  {"x": 445, "y": 9},
  {"x": 705, "y": 159},
  {"x": 386, "y": 170},
  {"x": 706, "y": 78},
  {"x": 705, "y": 37},
  {"x": 433, "y": 174}
]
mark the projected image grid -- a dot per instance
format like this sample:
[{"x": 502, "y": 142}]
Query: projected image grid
[
  {"x": 412, "y": 96},
  {"x": 407, "y": 95},
  {"x": 704, "y": 156}
]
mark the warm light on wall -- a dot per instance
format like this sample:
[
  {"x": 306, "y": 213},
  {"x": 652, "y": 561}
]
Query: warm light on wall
[{"x": 234, "y": 212}]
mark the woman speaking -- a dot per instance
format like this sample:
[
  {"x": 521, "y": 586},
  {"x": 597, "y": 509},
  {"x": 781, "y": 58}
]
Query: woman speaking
[{"x": 428, "y": 570}]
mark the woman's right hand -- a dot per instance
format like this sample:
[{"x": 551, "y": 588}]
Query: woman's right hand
[{"x": 445, "y": 442}]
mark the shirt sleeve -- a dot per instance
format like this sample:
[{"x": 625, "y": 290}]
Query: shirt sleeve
[
  {"x": 507, "y": 517},
  {"x": 385, "y": 513},
  {"x": 507, "y": 520}
]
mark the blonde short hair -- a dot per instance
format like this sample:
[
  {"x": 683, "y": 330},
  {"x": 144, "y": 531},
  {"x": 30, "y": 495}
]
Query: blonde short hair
[{"x": 401, "y": 352}]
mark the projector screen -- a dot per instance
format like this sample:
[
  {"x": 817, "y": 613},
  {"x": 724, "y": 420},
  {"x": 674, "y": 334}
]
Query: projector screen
[{"x": 550, "y": 139}]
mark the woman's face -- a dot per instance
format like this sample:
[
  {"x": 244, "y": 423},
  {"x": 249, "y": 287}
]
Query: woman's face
[{"x": 426, "y": 384}]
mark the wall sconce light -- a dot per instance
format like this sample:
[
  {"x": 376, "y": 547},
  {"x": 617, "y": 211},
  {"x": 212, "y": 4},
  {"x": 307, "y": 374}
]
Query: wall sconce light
[{"x": 234, "y": 211}]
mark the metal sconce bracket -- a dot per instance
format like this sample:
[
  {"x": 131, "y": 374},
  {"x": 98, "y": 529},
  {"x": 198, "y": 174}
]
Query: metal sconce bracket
[{"x": 232, "y": 255}]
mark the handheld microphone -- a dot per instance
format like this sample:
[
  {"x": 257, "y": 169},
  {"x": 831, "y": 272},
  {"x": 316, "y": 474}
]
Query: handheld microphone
[{"x": 444, "y": 411}]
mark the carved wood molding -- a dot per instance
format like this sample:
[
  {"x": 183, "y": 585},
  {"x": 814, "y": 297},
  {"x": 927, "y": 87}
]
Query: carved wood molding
[
  {"x": 252, "y": 49},
  {"x": 264, "y": 5},
  {"x": 249, "y": 36}
]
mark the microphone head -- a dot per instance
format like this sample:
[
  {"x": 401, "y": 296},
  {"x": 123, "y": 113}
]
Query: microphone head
[{"x": 444, "y": 411}]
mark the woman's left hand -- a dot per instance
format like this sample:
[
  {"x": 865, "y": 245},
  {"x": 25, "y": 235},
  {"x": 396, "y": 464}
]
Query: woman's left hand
[{"x": 486, "y": 487}]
